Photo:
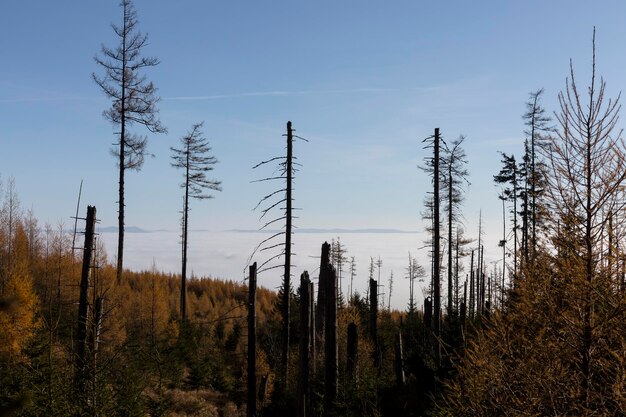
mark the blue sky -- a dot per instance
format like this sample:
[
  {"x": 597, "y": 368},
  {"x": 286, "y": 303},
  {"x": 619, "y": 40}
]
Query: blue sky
[{"x": 364, "y": 81}]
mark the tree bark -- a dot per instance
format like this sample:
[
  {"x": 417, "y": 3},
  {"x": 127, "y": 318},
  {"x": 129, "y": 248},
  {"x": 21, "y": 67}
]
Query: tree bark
[
  {"x": 304, "y": 388},
  {"x": 83, "y": 303},
  {"x": 331, "y": 353},
  {"x": 436, "y": 251},
  {"x": 287, "y": 274},
  {"x": 251, "y": 404}
]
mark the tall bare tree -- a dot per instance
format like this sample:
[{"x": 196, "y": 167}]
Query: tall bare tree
[
  {"x": 133, "y": 102},
  {"x": 193, "y": 157},
  {"x": 433, "y": 168},
  {"x": 287, "y": 168}
]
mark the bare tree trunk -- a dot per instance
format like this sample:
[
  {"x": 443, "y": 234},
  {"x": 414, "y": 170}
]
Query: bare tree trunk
[
  {"x": 399, "y": 362},
  {"x": 83, "y": 303},
  {"x": 287, "y": 275},
  {"x": 331, "y": 353},
  {"x": 503, "y": 251},
  {"x": 80, "y": 191},
  {"x": 428, "y": 313},
  {"x": 312, "y": 332},
  {"x": 481, "y": 272},
  {"x": 456, "y": 273},
  {"x": 321, "y": 293},
  {"x": 450, "y": 284},
  {"x": 183, "y": 279},
  {"x": 463, "y": 312},
  {"x": 472, "y": 297},
  {"x": 251, "y": 405},
  {"x": 304, "y": 388},
  {"x": 374, "y": 319},
  {"x": 436, "y": 251}
]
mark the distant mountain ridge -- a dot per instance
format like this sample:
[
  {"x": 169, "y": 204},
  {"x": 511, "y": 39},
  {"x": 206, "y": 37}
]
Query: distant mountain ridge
[
  {"x": 135, "y": 229},
  {"x": 333, "y": 230},
  {"x": 128, "y": 229}
]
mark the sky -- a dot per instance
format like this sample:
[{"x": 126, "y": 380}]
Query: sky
[{"x": 364, "y": 81}]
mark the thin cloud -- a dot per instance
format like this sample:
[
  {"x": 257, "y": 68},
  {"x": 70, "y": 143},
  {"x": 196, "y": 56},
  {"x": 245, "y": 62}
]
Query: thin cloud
[
  {"x": 43, "y": 99},
  {"x": 278, "y": 93},
  {"x": 297, "y": 93},
  {"x": 283, "y": 93}
]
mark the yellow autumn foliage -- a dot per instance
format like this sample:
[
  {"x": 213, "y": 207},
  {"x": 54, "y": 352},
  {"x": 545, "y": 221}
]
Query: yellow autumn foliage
[{"x": 18, "y": 323}]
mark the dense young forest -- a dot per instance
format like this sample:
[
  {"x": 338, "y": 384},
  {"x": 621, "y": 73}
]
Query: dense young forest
[{"x": 541, "y": 335}]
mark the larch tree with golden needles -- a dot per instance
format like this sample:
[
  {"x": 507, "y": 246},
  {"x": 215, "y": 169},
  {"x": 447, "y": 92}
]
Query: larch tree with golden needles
[
  {"x": 559, "y": 348},
  {"x": 193, "y": 157},
  {"x": 134, "y": 102},
  {"x": 18, "y": 323},
  {"x": 588, "y": 162}
]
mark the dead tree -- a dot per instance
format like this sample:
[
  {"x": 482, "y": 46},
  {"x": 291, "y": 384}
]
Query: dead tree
[
  {"x": 80, "y": 191},
  {"x": 483, "y": 286},
  {"x": 479, "y": 274},
  {"x": 463, "y": 313},
  {"x": 472, "y": 296},
  {"x": 433, "y": 165},
  {"x": 399, "y": 360},
  {"x": 374, "y": 320},
  {"x": 134, "y": 102},
  {"x": 312, "y": 327},
  {"x": 306, "y": 319},
  {"x": 330, "y": 340},
  {"x": 193, "y": 157},
  {"x": 251, "y": 405},
  {"x": 428, "y": 313},
  {"x": 287, "y": 171},
  {"x": 320, "y": 313},
  {"x": 83, "y": 303}
]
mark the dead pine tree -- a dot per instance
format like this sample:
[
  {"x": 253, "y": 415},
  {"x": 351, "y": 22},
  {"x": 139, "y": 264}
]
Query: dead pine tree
[
  {"x": 286, "y": 168},
  {"x": 133, "y": 99},
  {"x": 306, "y": 319},
  {"x": 399, "y": 360},
  {"x": 472, "y": 296},
  {"x": 483, "y": 286},
  {"x": 428, "y": 313},
  {"x": 432, "y": 167},
  {"x": 320, "y": 313},
  {"x": 460, "y": 243},
  {"x": 390, "y": 290},
  {"x": 83, "y": 301},
  {"x": 80, "y": 191},
  {"x": 194, "y": 159},
  {"x": 312, "y": 333},
  {"x": 331, "y": 354},
  {"x": 251, "y": 404},
  {"x": 352, "y": 276},
  {"x": 373, "y": 290}
]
